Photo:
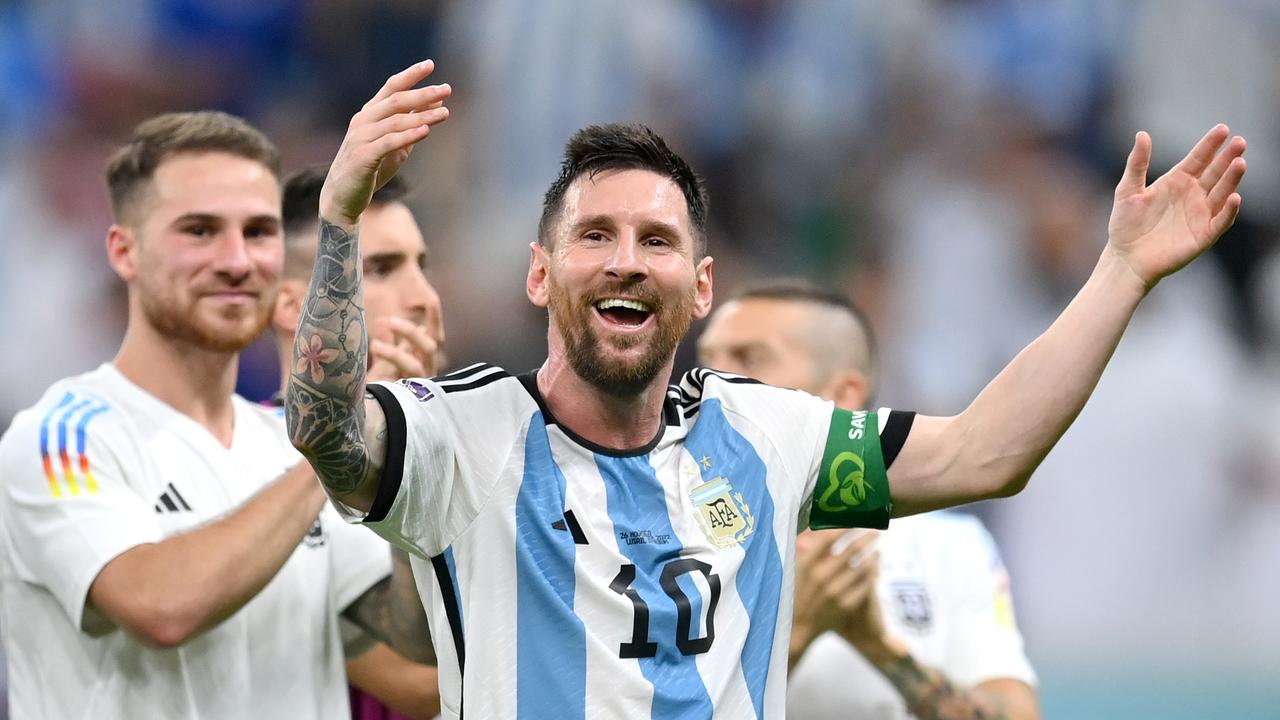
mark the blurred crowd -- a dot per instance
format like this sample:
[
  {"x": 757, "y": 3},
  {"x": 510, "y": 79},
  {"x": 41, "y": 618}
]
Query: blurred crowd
[{"x": 948, "y": 163}]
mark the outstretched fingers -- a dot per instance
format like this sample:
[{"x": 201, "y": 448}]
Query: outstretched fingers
[
  {"x": 1234, "y": 149},
  {"x": 1202, "y": 154},
  {"x": 415, "y": 100},
  {"x": 403, "y": 80},
  {"x": 1226, "y": 185},
  {"x": 1134, "y": 179},
  {"x": 401, "y": 131},
  {"x": 1225, "y": 217}
]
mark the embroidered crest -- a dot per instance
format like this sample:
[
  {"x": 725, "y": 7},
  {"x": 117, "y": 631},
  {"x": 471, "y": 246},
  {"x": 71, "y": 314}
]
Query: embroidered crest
[{"x": 722, "y": 513}]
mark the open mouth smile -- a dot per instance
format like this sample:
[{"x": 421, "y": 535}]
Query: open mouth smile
[{"x": 623, "y": 313}]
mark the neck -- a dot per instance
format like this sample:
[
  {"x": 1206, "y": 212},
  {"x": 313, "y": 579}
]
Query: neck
[
  {"x": 197, "y": 383},
  {"x": 621, "y": 423}
]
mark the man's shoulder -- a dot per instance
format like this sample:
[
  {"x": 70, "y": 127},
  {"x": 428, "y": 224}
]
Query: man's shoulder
[
  {"x": 71, "y": 402},
  {"x": 480, "y": 381},
  {"x": 741, "y": 396}
]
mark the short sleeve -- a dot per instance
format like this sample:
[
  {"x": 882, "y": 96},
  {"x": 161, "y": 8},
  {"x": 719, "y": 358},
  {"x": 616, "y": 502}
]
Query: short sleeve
[
  {"x": 985, "y": 642},
  {"x": 360, "y": 559},
  {"x": 446, "y": 446},
  {"x": 851, "y": 482},
  {"x": 67, "y": 507}
]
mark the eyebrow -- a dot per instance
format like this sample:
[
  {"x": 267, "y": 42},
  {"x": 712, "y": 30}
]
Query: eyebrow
[
  {"x": 398, "y": 255},
  {"x": 212, "y": 218},
  {"x": 649, "y": 226}
]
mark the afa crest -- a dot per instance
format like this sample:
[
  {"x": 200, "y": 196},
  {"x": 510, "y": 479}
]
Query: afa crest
[{"x": 722, "y": 513}]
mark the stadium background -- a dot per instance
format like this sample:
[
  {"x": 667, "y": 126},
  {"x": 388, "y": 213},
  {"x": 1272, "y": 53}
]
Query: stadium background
[{"x": 947, "y": 162}]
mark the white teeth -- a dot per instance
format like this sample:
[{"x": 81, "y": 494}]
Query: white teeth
[{"x": 620, "y": 303}]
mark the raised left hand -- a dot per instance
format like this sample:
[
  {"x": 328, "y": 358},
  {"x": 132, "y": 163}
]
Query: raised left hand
[{"x": 1157, "y": 229}]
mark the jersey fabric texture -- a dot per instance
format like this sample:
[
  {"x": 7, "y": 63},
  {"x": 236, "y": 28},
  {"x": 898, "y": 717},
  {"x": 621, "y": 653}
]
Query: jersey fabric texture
[
  {"x": 568, "y": 580},
  {"x": 944, "y": 591},
  {"x": 99, "y": 466}
]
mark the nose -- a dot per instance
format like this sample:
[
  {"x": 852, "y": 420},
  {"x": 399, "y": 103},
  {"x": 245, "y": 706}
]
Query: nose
[
  {"x": 626, "y": 262},
  {"x": 420, "y": 297},
  {"x": 233, "y": 259}
]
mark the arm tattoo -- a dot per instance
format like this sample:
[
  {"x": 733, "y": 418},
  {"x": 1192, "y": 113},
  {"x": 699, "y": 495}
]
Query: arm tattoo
[
  {"x": 324, "y": 402},
  {"x": 931, "y": 696},
  {"x": 392, "y": 612}
]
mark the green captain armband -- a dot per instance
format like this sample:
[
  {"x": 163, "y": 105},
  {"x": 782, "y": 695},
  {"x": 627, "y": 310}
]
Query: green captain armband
[{"x": 852, "y": 489}]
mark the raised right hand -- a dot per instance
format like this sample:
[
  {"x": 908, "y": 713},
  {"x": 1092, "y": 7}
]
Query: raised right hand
[{"x": 379, "y": 140}]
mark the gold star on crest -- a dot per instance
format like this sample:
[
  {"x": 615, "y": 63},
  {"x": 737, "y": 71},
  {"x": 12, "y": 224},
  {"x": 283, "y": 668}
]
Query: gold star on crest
[{"x": 706, "y": 462}]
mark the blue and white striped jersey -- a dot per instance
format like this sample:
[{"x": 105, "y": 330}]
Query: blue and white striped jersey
[{"x": 568, "y": 580}]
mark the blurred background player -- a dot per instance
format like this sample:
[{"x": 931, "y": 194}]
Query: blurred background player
[
  {"x": 165, "y": 553},
  {"x": 933, "y": 582},
  {"x": 404, "y": 310}
]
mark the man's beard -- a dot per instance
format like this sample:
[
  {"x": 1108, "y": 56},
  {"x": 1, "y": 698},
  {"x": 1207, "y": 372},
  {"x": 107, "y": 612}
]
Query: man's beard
[
  {"x": 584, "y": 347},
  {"x": 174, "y": 321}
]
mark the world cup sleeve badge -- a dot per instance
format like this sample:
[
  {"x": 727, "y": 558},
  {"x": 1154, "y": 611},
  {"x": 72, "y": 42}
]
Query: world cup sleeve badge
[{"x": 722, "y": 513}]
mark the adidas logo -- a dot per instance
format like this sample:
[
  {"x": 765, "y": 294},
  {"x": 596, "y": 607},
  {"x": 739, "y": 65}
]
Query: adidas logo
[{"x": 172, "y": 501}]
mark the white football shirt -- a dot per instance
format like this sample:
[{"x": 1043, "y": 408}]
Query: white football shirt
[
  {"x": 99, "y": 466},
  {"x": 567, "y": 580},
  {"x": 944, "y": 591}
]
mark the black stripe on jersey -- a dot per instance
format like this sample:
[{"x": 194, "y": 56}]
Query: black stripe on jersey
[
  {"x": 477, "y": 383},
  {"x": 671, "y": 412},
  {"x": 464, "y": 373},
  {"x": 475, "y": 368},
  {"x": 393, "y": 469},
  {"x": 579, "y": 537},
  {"x": 178, "y": 496},
  {"x": 168, "y": 502},
  {"x": 449, "y": 594},
  {"x": 691, "y": 383},
  {"x": 729, "y": 378},
  {"x": 896, "y": 430},
  {"x": 530, "y": 382}
]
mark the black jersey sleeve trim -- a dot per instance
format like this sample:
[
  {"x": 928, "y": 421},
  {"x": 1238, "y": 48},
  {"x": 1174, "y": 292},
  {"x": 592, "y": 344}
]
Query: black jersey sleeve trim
[
  {"x": 393, "y": 467},
  {"x": 896, "y": 430}
]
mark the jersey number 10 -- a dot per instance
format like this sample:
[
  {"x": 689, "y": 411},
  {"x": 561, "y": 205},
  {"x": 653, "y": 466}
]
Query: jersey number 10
[{"x": 639, "y": 646}]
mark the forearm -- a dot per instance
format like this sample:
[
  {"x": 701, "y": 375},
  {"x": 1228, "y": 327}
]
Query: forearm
[
  {"x": 411, "y": 632},
  {"x": 992, "y": 448},
  {"x": 409, "y": 688},
  {"x": 324, "y": 399},
  {"x": 929, "y": 695},
  {"x": 392, "y": 612},
  {"x": 168, "y": 592}
]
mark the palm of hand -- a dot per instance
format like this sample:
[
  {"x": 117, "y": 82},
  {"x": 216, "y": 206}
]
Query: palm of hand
[
  {"x": 1161, "y": 229},
  {"x": 1158, "y": 229}
]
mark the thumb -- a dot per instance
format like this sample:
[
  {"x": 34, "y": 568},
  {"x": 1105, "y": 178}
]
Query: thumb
[{"x": 1134, "y": 179}]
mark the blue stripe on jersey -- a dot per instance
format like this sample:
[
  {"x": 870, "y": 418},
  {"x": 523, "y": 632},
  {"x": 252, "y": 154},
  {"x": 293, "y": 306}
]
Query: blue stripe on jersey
[
  {"x": 44, "y": 424},
  {"x": 81, "y": 440},
  {"x": 457, "y": 589},
  {"x": 637, "y": 503},
  {"x": 759, "y": 579},
  {"x": 63, "y": 446},
  {"x": 551, "y": 648}
]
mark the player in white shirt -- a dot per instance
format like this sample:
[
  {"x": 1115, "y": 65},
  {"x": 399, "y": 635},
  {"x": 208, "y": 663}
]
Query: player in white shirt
[
  {"x": 933, "y": 585},
  {"x": 163, "y": 550},
  {"x": 602, "y": 545}
]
